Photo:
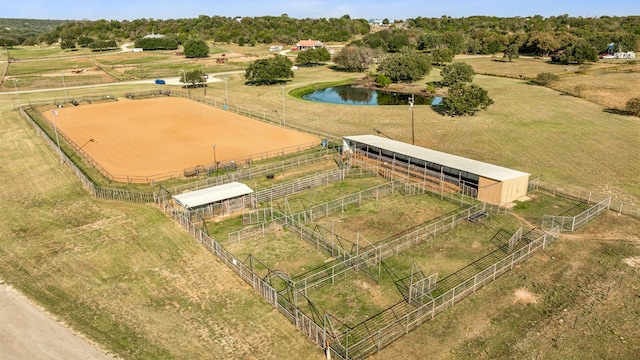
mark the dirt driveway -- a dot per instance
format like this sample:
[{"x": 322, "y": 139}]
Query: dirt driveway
[{"x": 27, "y": 332}]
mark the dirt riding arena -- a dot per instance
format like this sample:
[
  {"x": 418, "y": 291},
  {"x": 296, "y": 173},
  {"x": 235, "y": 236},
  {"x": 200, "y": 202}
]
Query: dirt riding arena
[{"x": 163, "y": 136}]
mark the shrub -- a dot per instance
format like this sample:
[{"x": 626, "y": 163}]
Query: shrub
[
  {"x": 546, "y": 78},
  {"x": 633, "y": 106},
  {"x": 382, "y": 80}
]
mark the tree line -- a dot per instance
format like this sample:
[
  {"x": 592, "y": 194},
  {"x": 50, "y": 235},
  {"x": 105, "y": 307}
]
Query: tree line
[
  {"x": 533, "y": 35},
  {"x": 241, "y": 30}
]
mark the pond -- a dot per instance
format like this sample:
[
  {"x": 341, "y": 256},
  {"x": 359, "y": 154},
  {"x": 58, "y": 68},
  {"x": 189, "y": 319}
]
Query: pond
[{"x": 349, "y": 95}]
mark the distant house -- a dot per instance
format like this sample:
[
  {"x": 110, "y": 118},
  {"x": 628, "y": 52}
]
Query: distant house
[
  {"x": 308, "y": 44},
  {"x": 154, "y": 36},
  {"x": 376, "y": 22}
]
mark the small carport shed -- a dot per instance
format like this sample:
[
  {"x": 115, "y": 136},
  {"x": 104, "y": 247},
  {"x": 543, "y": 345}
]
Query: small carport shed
[
  {"x": 496, "y": 184},
  {"x": 232, "y": 196}
]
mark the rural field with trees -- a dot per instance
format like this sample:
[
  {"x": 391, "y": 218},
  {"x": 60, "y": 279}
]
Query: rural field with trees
[{"x": 529, "y": 94}]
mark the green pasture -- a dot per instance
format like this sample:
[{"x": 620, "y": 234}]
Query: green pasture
[
  {"x": 279, "y": 249},
  {"x": 610, "y": 83},
  {"x": 47, "y": 68},
  {"x": 390, "y": 215},
  {"x": 21, "y": 53},
  {"x": 581, "y": 303},
  {"x": 170, "y": 298},
  {"x": 302, "y": 201},
  {"x": 124, "y": 275},
  {"x": 528, "y": 67}
]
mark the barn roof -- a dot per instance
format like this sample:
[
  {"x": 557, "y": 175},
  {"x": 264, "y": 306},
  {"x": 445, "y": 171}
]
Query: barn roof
[
  {"x": 212, "y": 194},
  {"x": 479, "y": 168}
]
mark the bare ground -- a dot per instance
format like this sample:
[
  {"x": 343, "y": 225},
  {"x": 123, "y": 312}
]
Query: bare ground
[{"x": 28, "y": 332}]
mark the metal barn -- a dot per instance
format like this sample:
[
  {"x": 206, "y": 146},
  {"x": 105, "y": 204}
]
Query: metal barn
[{"x": 487, "y": 182}]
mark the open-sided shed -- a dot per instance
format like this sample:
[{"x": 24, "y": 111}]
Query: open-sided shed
[
  {"x": 495, "y": 184},
  {"x": 215, "y": 194}
]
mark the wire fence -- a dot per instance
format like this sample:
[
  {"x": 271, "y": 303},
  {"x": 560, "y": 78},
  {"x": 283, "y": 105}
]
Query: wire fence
[
  {"x": 258, "y": 114},
  {"x": 97, "y": 191}
]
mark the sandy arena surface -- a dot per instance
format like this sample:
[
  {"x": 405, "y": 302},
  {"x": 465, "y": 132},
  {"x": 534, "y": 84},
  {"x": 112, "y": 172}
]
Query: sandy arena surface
[{"x": 166, "y": 135}]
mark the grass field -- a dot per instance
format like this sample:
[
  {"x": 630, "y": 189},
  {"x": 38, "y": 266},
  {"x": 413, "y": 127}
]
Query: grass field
[
  {"x": 130, "y": 279},
  {"x": 610, "y": 83}
]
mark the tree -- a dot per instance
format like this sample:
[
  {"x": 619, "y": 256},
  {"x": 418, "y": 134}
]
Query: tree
[
  {"x": 100, "y": 45},
  {"x": 430, "y": 40},
  {"x": 8, "y": 42},
  {"x": 441, "y": 56},
  {"x": 313, "y": 56},
  {"x": 405, "y": 67},
  {"x": 465, "y": 99},
  {"x": 354, "y": 58},
  {"x": 67, "y": 44},
  {"x": 511, "y": 52},
  {"x": 633, "y": 106},
  {"x": 165, "y": 43},
  {"x": 546, "y": 78},
  {"x": 457, "y": 73},
  {"x": 269, "y": 71},
  {"x": 541, "y": 43},
  {"x": 196, "y": 48},
  {"x": 194, "y": 77},
  {"x": 579, "y": 52},
  {"x": 84, "y": 41}
]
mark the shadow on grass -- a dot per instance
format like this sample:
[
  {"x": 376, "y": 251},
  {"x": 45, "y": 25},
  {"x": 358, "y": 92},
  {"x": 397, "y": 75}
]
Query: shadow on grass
[
  {"x": 265, "y": 82},
  {"x": 341, "y": 69},
  {"x": 617, "y": 111}
]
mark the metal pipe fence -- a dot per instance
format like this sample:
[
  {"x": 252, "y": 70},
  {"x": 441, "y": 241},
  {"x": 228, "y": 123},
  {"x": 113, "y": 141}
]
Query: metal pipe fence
[
  {"x": 572, "y": 223},
  {"x": 254, "y": 171},
  {"x": 629, "y": 208},
  {"x": 377, "y": 332},
  {"x": 361, "y": 346},
  {"x": 278, "y": 191},
  {"x": 316, "y": 332},
  {"x": 375, "y": 253}
]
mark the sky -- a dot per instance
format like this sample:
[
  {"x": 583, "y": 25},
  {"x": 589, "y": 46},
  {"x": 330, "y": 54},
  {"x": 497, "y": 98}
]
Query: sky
[{"x": 365, "y": 9}]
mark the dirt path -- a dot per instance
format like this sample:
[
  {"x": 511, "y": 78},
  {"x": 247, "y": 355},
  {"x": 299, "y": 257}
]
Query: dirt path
[{"x": 27, "y": 332}]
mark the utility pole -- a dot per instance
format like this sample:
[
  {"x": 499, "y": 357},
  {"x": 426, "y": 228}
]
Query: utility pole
[{"x": 413, "y": 137}]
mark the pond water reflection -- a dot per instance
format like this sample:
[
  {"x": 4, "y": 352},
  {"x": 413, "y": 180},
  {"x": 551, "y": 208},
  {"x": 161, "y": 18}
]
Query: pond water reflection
[{"x": 349, "y": 95}]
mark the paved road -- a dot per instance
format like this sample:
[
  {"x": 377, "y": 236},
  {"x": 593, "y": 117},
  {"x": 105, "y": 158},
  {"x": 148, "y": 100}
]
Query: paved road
[{"x": 26, "y": 332}]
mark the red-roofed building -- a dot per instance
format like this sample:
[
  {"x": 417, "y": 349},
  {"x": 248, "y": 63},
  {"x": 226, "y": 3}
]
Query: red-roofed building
[{"x": 308, "y": 44}]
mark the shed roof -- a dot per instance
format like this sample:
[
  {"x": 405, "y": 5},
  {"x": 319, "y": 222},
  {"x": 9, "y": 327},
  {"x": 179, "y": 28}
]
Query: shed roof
[
  {"x": 212, "y": 194},
  {"x": 479, "y": 168}
]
